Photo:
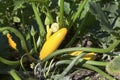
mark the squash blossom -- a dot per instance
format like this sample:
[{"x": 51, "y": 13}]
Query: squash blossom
[
  {"x": 88, "y": 56},
  {"x": 12, "y": 44},
  {"x": 52, "y": 43}
]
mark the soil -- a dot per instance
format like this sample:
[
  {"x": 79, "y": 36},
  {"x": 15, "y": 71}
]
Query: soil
[{"x": 85, "y": 74}]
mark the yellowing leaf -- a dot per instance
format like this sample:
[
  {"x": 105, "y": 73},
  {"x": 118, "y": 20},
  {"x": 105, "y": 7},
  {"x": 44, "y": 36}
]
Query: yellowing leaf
[
  {"x": 12, "y": 44},
  {"x": 88, "y": 56}
]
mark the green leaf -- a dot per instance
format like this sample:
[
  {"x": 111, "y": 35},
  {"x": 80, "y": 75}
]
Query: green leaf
[
  {"x": 47, "y": 21},
  {"x": 111, "y": 9},
  {"x": 96, "y": 10},
  {"x": 111, "y": 6},
  {"x": 33, "y": 32},
  {"x": 1, "y": 13},
  {"x": 85, "y": 10},
  {"x": 16, "y": 19},
  {"x": 117, "y": 23},
  {"x": 113, "y": 67},
  {"x": 18, "y": 4},
  {"x": 66, "y": 7}
]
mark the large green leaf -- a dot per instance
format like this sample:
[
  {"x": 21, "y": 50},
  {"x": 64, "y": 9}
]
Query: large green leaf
[
  {"x": 96, "y": 9},
  {"x": 113, "y": 67}
]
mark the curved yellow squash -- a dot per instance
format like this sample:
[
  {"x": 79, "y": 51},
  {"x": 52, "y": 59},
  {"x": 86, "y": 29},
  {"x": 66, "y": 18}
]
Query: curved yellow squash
[{"x": 52, "y": 43}]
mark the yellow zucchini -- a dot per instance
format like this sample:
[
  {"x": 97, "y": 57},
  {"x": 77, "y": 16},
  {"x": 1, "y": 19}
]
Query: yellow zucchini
[{"x": 52, "y": 43}]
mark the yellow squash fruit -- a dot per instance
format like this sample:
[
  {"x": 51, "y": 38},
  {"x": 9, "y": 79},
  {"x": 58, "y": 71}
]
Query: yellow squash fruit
[
  {"x": 88, "y": 56},
  {"x": 52, "y": 43},
  {"x": 12, "y": 44}
]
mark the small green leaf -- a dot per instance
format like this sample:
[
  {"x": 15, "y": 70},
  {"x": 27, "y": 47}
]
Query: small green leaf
[
  {"x": 5, "y": 32},
  {"x": 32, "y": 31},
  {"x": 47, "y": 21},
  {"x": 16, "y": 19},
  {"x": 1, "y": 13},
  {"x": 66, "y": 7}
]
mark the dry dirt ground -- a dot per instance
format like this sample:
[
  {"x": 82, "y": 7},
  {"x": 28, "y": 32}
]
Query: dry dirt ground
[{"x": 85, "y": 74}]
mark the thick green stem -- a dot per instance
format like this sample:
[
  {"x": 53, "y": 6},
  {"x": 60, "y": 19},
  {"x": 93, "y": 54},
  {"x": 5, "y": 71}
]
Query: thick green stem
[
  {"x": 39, "y": 21},
  {"x": 96, "y": 63},
  {"x": 8, "y": 62},
  {"x": 98, "y": 70},
  {"x": 98, "y": 50},
  {"x": 61, "y": 12},
  {"x": 72, "y": 64},
  {"x": 14, "y": 75}
]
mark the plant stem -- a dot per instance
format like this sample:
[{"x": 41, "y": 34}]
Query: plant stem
[
  {"x": 62, "y": 62},
  {"x": 85, "y": 64},
  {"x": 98, "y": 70},
  {"x": 48, "y": 14},
  {"x": 39, "y": 21},
  {"x": 79, "y": 11},
  {"x": 77, "y": 32},
  {"x": 72, "y": 64},
  {"x": 82, "y": 63},
  {"x": 8, "y": 62},
  {"x": 48, "y": 71},
  {"x": 35, "y": 46},
  {"x": 61, "y": 12},
  {"x": 22, "y": 18},
  {"x": 98, "y": 50},
  {"x": 97, "y": 63},
  {"x": 14, "y": 75}
]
